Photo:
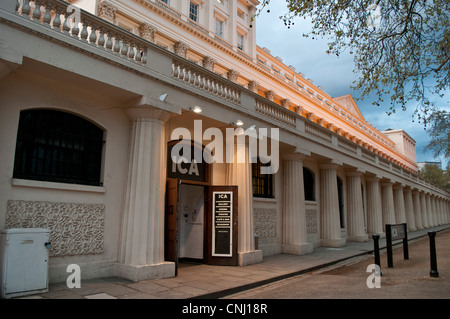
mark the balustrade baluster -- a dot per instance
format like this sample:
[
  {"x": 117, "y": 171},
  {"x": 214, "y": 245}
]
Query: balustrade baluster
[
  {"x": 37, "y": 11},
  {"x": 84, "y": 31},
  {"x": 116, "y": 48},
  {"x": 75, "y": 29},
  {"x": 66, "y": 24},
  {"x": 93, "y": 35},
  {"x": 101, "y": 38},
  {"x": 144, "y": 56},
  {"x": 56, "y": 20},
  {"x": 124, "y": 50},
  {"x": 138, "y": 56},
  {"x": 131, "y": 52},
  {"x": 26, "y": 8},
  {"x": 109, "y": 42}
]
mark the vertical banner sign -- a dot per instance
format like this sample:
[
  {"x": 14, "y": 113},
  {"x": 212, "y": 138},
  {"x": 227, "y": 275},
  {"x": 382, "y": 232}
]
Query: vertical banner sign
[{"x": 222, "y": 224}]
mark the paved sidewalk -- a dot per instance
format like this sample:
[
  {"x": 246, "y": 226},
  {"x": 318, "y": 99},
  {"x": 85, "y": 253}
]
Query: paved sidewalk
[{"x": 206, "y": 281}]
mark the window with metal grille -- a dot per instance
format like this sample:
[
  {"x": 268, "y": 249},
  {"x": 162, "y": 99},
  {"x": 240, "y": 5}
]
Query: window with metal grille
[
  {"x": 56, "y": 146},
  {"x": 262, "y": 183}
]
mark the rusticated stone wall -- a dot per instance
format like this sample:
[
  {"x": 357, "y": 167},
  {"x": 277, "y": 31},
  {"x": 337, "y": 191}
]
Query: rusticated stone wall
[{"x": 75, "y": 228}]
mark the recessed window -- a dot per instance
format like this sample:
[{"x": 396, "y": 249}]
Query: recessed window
[
  {"x": 240, "y": 42},
  {"x": 193, "y": 12},
  {"x": 59, "y": 147},
  {"x": 262, "y": 183},
  {"x": 219, "y": 28},
  {"x": 308, "y": 183}
]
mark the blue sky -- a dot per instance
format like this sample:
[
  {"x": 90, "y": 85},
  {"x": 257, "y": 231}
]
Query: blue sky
[{"x": 334, "y": 74}]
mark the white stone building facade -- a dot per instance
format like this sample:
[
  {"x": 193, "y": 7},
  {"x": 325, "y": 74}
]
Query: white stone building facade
[{"x": 89, "y": 101}]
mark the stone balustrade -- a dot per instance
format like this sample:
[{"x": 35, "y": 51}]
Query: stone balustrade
[
  {"x": 274, "y": 111},
  {"x": 79, "y": 24},
  {"x": 205, "y": 80}
]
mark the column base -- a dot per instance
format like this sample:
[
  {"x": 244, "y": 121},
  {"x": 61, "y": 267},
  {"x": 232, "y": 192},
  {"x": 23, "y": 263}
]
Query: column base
[
  {"x": 145, "y": 272},
  {"x": 250, "y": 257},
  {"x": 294, "y": 249},
  {"x": 338, "y": 242},
  {"x": 358, "y": 238}
]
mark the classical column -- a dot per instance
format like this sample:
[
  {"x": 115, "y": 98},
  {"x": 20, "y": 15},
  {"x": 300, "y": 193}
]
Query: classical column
[
  {"x": 295, "y": 236},
  {"x": 442, "y": 206},
  {"x": 142, "y": 238},
  {"x": 423, "y": 207},
  {"x": 329, "y": 206},
  {"x": 240, "y": 174},
  {"x": 445, "y": 211},
  {"x": 355, "y": 208},
  {"x": 374, "y": 213},
  {"x": 429, "y": 210},
  {"x": 436, "y": 219},
  {"x": 409, "y": 209},
  {"x": 399, "y": 204},
  {"x": 417, "y": 209},
  {"x": 387, "y": 206}
]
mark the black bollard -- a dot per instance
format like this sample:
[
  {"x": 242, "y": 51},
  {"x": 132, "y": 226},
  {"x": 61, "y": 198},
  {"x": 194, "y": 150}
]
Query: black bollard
[
  {"x": 376, "y": 250},
  {"x": 433, "y": 261}
]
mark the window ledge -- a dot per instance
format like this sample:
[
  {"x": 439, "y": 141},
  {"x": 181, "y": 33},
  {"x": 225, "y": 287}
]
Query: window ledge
[
  {"x": 57, "y": 186},
  {"x": 265, "y": 199}
]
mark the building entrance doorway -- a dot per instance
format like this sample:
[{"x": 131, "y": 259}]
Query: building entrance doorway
[
  {"x": 192, "y": 226},
  {"x": 201, "y": 224}
]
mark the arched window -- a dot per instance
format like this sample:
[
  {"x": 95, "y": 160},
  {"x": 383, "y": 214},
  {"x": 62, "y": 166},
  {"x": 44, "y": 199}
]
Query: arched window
[
  {"x": 59, "y": 147},
  {"x": 308, "y": 183}
]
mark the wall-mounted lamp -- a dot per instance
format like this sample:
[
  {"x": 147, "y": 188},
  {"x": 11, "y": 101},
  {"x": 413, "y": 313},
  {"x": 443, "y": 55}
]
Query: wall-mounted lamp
[
  {"x": 163, "y": 97},
  {"x": 237, "y": 123},
  {"x": 195, "y": 109}
]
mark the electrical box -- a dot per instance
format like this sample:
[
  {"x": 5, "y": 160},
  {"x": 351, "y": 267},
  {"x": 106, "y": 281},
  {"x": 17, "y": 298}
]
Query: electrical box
[{"x": 23, "y": 261}]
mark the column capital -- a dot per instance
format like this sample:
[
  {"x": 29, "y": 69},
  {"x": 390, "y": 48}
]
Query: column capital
[
  {"x": 330, "y": 164},
  {"x": 293, "y": 157},
  {"x": 387, "y": 182},
  {"x": 148, "y": 112},
  {"x": 355, "y": 172},
  {"x": 373, "y": 178}
]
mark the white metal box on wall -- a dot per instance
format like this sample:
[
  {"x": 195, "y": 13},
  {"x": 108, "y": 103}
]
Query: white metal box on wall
[{"x": 23, "y": 261}]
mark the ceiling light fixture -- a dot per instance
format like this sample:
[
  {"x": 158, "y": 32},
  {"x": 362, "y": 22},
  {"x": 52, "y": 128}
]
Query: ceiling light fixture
[
  {"x": 237, "y": 123},
  {"x": 163, "y": 97},
  {"x": 195, "y": 109}
]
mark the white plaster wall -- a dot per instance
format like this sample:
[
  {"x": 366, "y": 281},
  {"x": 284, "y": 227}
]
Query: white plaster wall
[{"x": 22, "y": 90}]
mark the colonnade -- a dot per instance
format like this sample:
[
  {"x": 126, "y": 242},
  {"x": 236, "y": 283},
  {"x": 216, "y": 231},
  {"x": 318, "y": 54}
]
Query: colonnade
[
  {"x": 387, "y": 202},
  {"x": 142, "y": 236}
]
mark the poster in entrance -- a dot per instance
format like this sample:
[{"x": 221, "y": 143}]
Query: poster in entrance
[{"x": 222, "y": 224}]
